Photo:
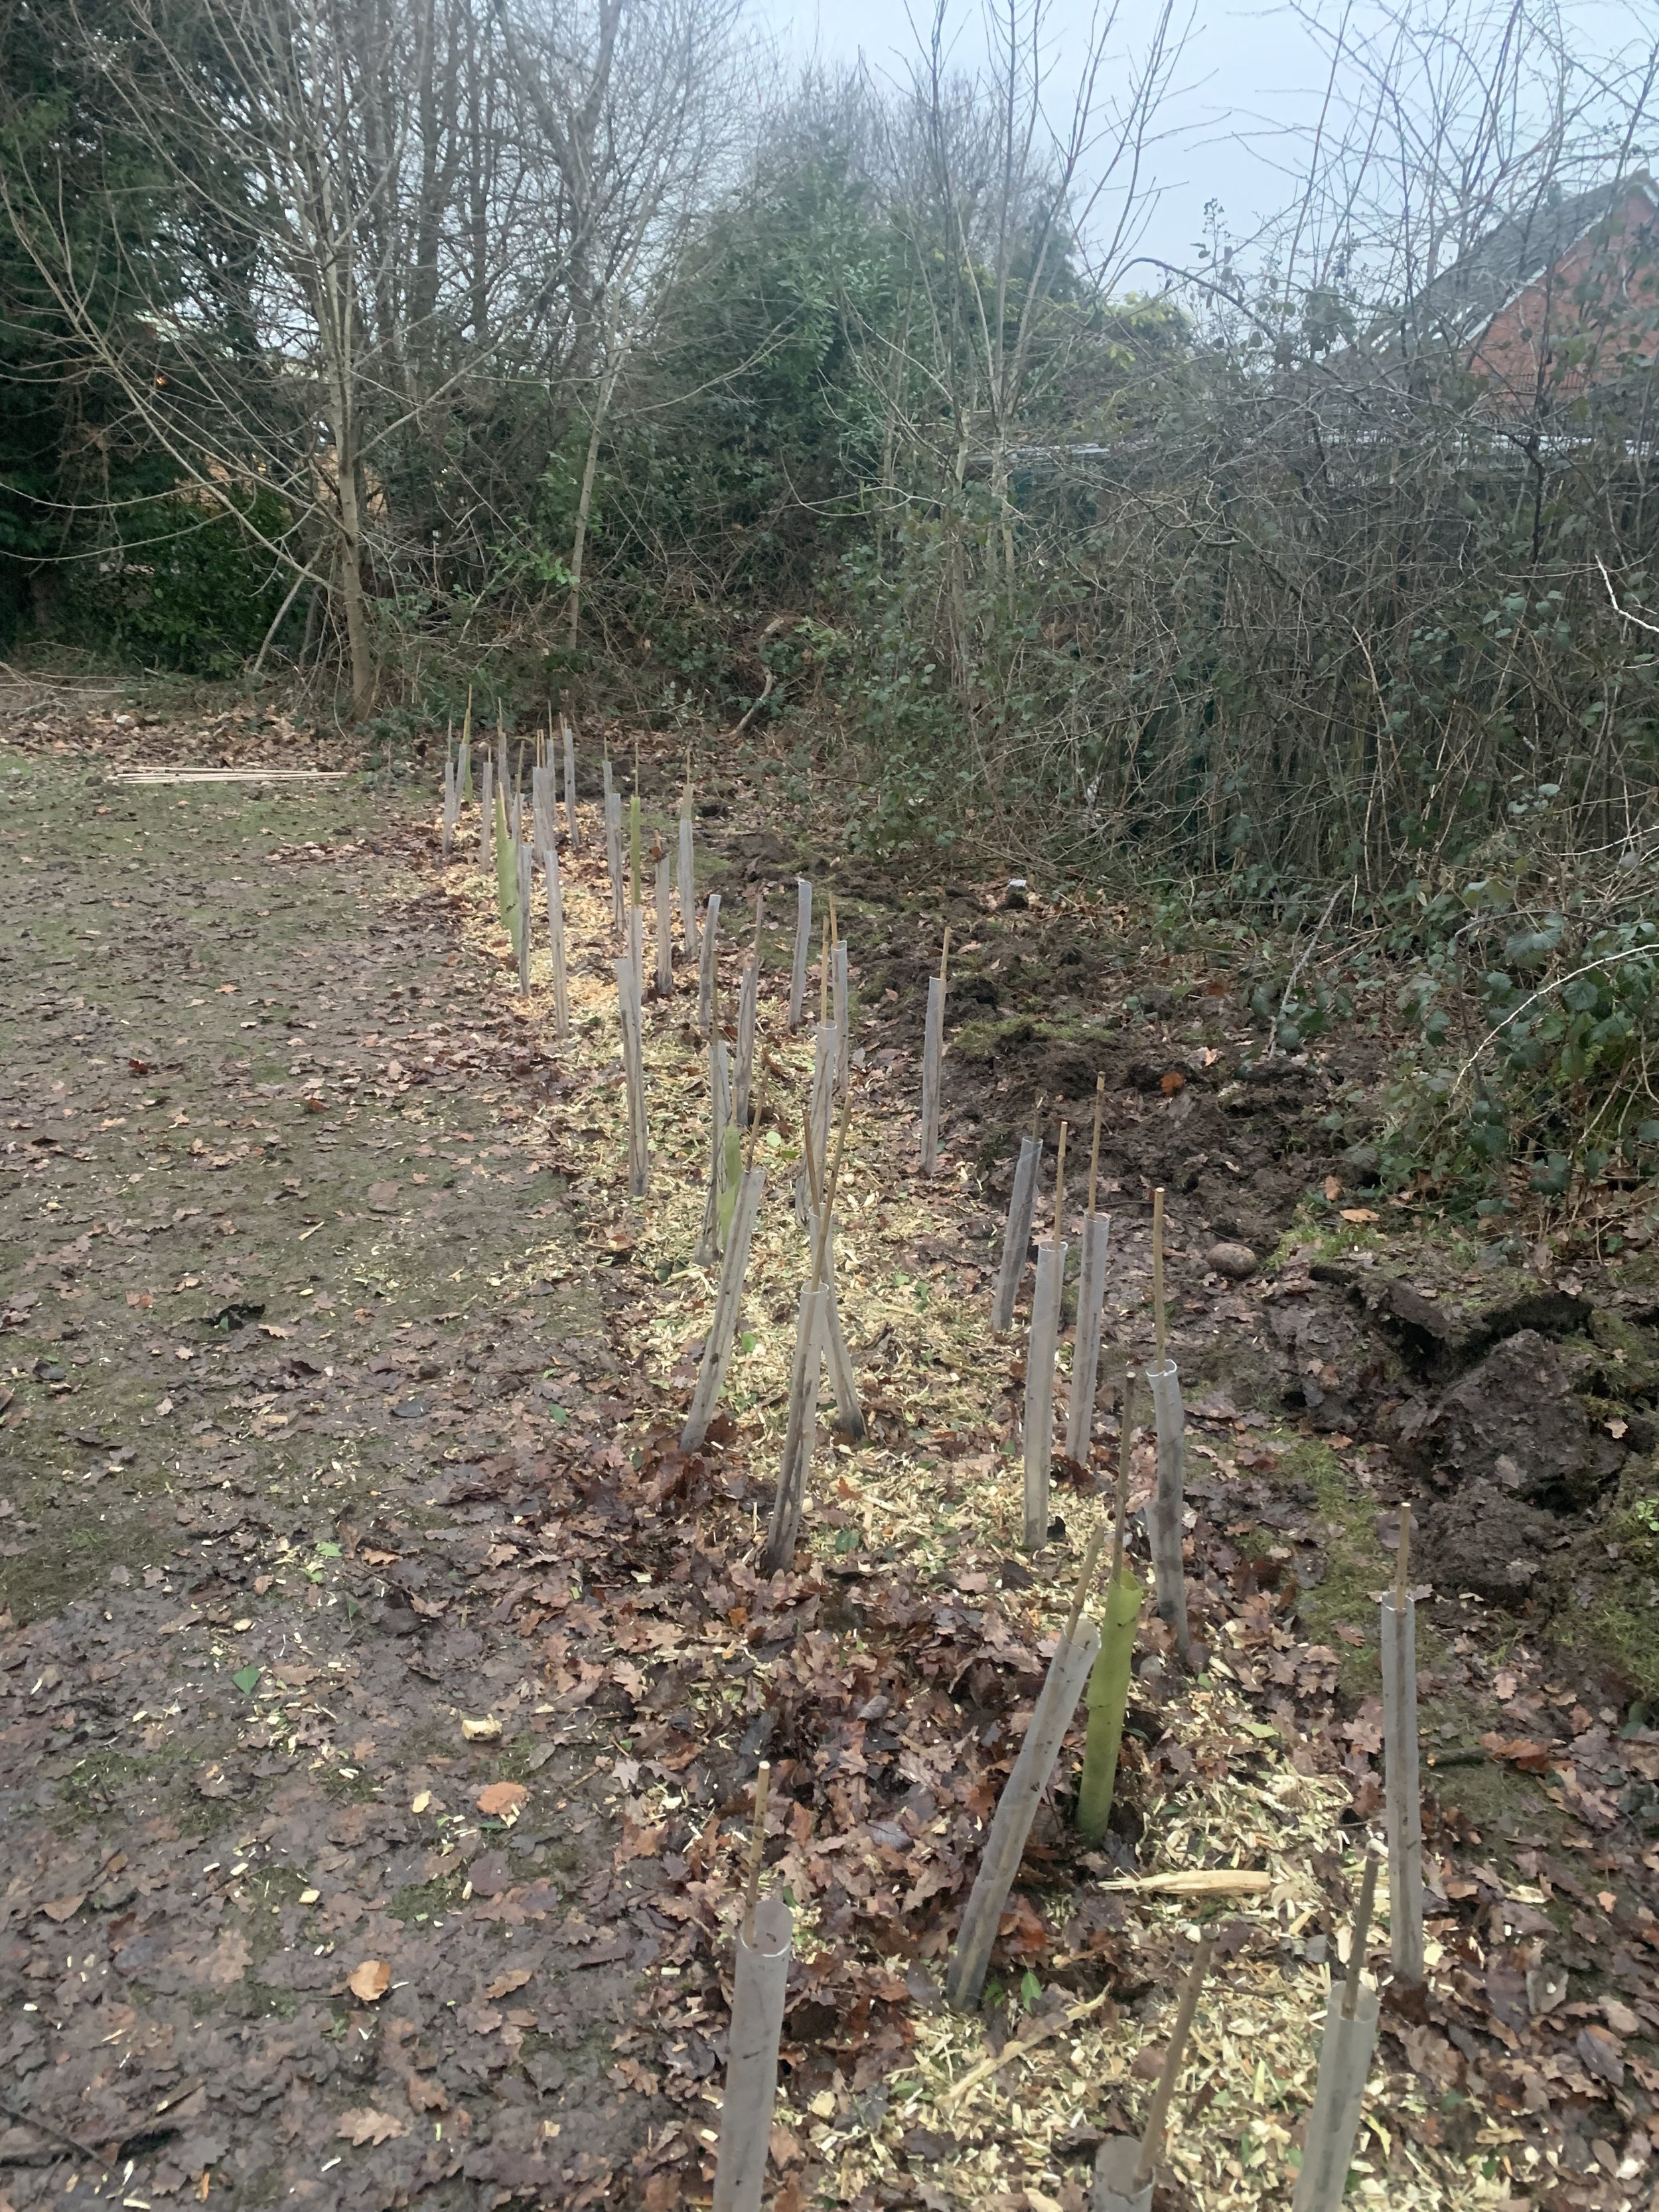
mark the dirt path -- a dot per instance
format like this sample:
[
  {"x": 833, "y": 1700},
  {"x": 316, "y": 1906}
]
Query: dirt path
[{"x": 268, "y": 1451}]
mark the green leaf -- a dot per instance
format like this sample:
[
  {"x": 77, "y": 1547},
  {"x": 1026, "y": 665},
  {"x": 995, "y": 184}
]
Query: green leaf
[
  {"x": 329, "y": 1551},
  {"x": 1031, "y": 1989},
  {"x": 746, "y": 1342},
  {"x": 246, "y": 1680}
]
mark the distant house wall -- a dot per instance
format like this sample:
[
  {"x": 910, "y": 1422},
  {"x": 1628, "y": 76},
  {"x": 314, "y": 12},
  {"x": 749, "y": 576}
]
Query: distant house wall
[{"x": 1588, "y": 320}]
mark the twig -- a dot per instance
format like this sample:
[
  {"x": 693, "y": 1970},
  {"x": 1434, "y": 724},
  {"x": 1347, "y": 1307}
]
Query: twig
[
  {"x": 1038, "y": 2032},
  {"x": 1159, "y": 1326},
  {"x": 46, "y": 2127}
]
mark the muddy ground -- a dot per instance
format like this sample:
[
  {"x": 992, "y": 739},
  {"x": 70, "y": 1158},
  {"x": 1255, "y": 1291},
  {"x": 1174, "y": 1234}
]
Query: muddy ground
[{"x": 307, "y": 1467}]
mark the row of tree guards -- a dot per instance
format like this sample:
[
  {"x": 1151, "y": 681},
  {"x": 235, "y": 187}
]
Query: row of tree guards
[{"x": 1093, "y": 1659}]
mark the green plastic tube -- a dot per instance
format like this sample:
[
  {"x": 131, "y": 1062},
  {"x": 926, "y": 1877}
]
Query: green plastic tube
[{"x": 1109, "y": 1697}]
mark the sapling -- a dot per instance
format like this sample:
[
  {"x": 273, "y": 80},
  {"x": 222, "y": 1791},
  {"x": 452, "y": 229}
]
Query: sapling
[
  {"x": 1039, "y": 1434},
  {"x": 1124, "y": 2170},
  {"x": 1108, "y": 1682},
  {"x": 719, "y": 1109},
  {"x": 748, "y": 1015},
  {"x": 800, "y": 1434},
  {"x": 718, "y": 1344},
  {"x": 1352, "y": 2011},
  {"x": 665, "y": 944},
  {"x": 708, "y": 964},
  {"x": 465, "y": 775},
  {"x": 633, "y": 1041},
  {"x": 1402, "y": 1785},
  {"x": 1005, "y": 1846},
  {"x": 933, "y": 1058},
  {"x": 507, "y": 871},
  {"x": 688, "y": 870},
  {"x": 613, "y": 855},
  {"x": 1091, "y": 1306},
  {"x": 757, "y": 2000},
  {"x": 803, "y": 950},
  {"x": 1017, "y": 1236},
  {"x": 555, "y": 934},
  {"x": 1166, "y": 1511},
  {"x": 526, "y": 877}
]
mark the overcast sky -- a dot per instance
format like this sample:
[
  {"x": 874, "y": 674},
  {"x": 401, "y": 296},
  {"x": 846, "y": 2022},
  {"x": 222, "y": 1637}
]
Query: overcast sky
[{"x": 1249, "y": 94}]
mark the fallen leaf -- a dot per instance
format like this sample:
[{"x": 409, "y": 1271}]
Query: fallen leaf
[
  {"x": 504, "y": 1984},
  {"x": 1518, "y": 1751},
  {"x": 1174, "y": 1081},
  {"x": 1333, "y": 1188},
  {"x": 1619, "y": 2017},
  {"x": 309, "y": 1896},
  {"x": 426, "y": 2094},
  {"x": 420, "y": 1800},
  {"x": 487, "y": 1730},
  {"x": 1358, "y": 1213},
  {"x": 502, "y": 1800},
  {"x": 365, "y": 2125},
  {"x": 370, "y": 1981},
  {"x": 64, "y": 1908}
]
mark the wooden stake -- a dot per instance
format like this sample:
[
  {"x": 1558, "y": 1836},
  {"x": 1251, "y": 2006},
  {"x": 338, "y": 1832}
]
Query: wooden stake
[
  {"x": 757, "y": 1846},
  {"x": 1158, "y": 2120},
  {"x": 1085, "y": 1579},
  {"x": 1159, "y": 1324},
  {"x": 1361, "y": 1929},
  {"x": 1060, "y": 1187},
  {"x": 1402, "y": 1559}
]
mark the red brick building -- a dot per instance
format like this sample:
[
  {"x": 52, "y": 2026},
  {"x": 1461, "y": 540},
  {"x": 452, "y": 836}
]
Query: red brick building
[{"x": 1555, "y": 303}]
